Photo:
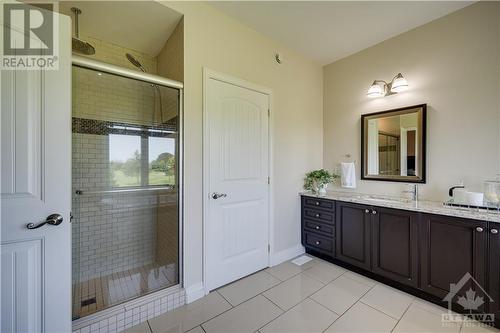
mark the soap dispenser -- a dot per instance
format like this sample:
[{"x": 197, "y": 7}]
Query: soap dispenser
[{"x": 457, "y": 192}]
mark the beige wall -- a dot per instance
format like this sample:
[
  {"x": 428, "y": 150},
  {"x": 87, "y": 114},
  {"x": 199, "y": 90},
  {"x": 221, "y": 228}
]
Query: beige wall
[
  {"x": 222, "y": 44},
  {"x": 171, "y": 57},
  {"x": 453, "y": 65}
]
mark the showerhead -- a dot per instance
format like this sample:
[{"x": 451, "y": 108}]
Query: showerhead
[
  {"x": 77, "y": 44},
  {"x": 135, "y": 62}
]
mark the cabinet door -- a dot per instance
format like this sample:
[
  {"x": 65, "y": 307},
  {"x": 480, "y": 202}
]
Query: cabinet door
[
  {"x": 494, "y": 272},
  {"x": 395, "y": 245},
  {"x": 353, "y": 234},
  {"x": 451, "y": 248}
]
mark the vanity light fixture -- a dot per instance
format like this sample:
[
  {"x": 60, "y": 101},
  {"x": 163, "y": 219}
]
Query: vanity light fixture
[{"x": 381, "y": 88}]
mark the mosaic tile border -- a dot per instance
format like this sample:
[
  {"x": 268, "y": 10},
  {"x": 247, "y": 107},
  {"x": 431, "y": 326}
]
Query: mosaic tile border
[{"x": 102, "y": 127}]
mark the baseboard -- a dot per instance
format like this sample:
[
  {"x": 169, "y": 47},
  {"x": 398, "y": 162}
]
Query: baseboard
[
  {"x": 195, "y": 292},
  {"x": 286, "y": 254}
]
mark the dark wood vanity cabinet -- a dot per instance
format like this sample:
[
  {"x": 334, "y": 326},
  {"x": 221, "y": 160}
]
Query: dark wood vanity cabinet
[
  {"x": 353, "y": 230},
  {"x": 494, "y": 271},
  {"x": 450, "y": 248},
  {"x": 395, "y": 245},
  {"x": 318, "y": 225},
  {"x": 424, "y": 252},
  {"x": 382, "y": 240}
]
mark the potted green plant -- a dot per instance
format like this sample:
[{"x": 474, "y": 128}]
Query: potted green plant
[{"x": 318, "y": 180}]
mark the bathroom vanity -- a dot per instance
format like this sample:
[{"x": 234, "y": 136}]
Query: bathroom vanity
[{"x": 417, "y": 247}]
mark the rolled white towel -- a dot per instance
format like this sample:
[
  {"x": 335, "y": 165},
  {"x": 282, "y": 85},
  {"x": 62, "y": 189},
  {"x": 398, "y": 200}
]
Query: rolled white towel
[{"x": 348, "y": 175}]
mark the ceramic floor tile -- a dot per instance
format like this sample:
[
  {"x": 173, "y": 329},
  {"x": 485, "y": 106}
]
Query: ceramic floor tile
[
  {"x": 246, "y": 317},
  {"x": 178, "y": 329},
  {"x": 286, "y": 270},
  {"x": 475, "y": 327},
  {"x": 248, "y": 287},
  {"x": 360, "y": 278},
  {"x": 362, "y": 318},
  {"x": 340, "y": 294},
  {"x": 419, "y": 320},
  {"x": 197, "y": 329},
  {"x": 292, "y": 291},
  {"x": 431, "y": 307},
  {"x": 388, "y": 300},
  {"x": 325, "y": 272},
  {"x": 141, "y": 328},
  {"x": 307, "y": 316},
  {"x": 190, "y": 315}
]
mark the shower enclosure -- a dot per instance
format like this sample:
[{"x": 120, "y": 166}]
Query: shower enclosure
[{"x": 126, "y": 184}]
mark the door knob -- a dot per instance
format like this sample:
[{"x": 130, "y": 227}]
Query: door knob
[
  {"x": 479, "y": 229},
  {"x": 494, "y": 231},
  {"x": 367, "y": 211},
  {"x": 53, "y": 219},
  {"x": 374, "y": 212},
  {"x": 216, "y": 195}
]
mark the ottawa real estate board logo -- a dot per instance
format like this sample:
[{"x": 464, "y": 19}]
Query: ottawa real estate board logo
[{"x": 29, "y": 36}]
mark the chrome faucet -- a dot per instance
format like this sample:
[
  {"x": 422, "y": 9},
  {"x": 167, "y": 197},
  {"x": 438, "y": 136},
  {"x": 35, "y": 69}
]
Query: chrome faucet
[{"x": 413, "y": 190}]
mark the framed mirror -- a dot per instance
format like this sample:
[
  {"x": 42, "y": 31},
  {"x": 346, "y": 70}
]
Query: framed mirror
[{"x": 393, "y": 145}]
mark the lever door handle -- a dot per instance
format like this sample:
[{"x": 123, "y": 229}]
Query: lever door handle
[
  {"x": 216, "y": 195},
  {"x": 53, "y": 219}
]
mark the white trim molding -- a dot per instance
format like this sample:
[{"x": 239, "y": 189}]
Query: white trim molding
[
  {"x": 286, "y": 254},
  {"x": 195, "y": 292}
]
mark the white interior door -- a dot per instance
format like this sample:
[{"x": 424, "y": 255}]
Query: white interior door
[
  {"x": 35, "y": 183},
  {"x": 237, "y": 189}
]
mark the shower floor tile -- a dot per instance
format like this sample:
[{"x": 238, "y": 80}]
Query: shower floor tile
[{"x": 102, "y": 292}]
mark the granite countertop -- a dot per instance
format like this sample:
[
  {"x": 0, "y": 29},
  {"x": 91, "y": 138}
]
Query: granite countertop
[{"x": 432, "y": 207}]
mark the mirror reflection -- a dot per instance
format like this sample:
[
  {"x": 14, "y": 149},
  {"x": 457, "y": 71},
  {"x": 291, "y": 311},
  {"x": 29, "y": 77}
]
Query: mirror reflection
[{"x": 393, "y": 145}]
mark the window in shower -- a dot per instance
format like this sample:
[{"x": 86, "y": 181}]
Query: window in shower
[
  {"x": 125, "y": 189},
  {"x": 162, "y": 161},
  {"x": 142, "y": 160},
  {"x": 125, "y": 160}
]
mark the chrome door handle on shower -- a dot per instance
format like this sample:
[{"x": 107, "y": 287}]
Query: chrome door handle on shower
[
  {"x": 53, "y": 219},
  {"x": 216, "y": 195}
]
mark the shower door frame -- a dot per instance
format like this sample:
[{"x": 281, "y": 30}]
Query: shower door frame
[{"x": 92, "y": 64}]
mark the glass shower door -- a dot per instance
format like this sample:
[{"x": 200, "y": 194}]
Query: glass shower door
[{"x": 125, "y": 189}]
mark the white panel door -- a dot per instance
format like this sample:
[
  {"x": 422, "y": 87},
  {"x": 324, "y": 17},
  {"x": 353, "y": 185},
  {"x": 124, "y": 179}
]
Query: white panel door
[
  {"x": 237, "y": 211},
  {"x": 35, "y": 183}
]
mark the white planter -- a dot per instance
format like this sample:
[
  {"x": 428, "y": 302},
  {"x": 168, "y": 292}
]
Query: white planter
[{"x": 322, "y": 189}]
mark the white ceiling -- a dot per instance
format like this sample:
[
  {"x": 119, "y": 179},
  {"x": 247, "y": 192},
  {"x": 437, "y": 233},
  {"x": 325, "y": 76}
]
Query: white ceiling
[
  {"x": 326, "y": 31},
  {"x": 143, "y": 26}
]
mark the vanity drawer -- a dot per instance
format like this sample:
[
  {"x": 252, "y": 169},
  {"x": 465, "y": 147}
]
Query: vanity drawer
[
  {"x": 319, "y": 227},
  {"x": 319, "y": 215},
  {"x": 319, "y": 203},
  {"x": 319, "y": 243}
]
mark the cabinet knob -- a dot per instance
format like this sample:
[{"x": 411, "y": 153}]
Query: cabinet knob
[
  {"x": 479, "y": 229},
  {"x": 317, "y": 215},
  {"x": 317, "y": 203},
  {"x": 318, "y": 227},
  {"x": 374, "y": 212},
  {"x": 494, "y": 231},
  {"x": 318, "y": 242},
  {"x": 367, "y": 211}
]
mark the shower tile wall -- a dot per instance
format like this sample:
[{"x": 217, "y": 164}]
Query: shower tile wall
[{"x": 116, "y": 232}]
